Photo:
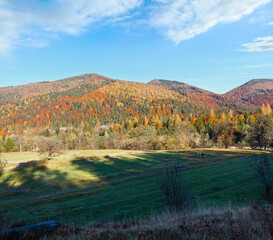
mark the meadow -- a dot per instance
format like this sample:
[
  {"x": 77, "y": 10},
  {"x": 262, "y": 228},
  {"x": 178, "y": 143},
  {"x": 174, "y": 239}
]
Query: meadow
[{"x": 115, "y": 185}]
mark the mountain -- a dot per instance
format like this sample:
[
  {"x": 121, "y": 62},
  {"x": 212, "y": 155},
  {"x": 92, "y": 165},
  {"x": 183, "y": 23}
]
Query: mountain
[
  {"x": 15, "y": 93},
  {"x": 83, "y": 101},
  {"x": 256, "y": 92},
  {"x": 202, "y": 96}
]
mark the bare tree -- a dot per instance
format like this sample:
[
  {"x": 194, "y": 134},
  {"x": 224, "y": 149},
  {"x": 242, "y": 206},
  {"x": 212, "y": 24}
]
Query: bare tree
[
  {"x": 264, "y": 172},
  {"x": 178, "y": 196},
  {"x": 49, "y": 146}
]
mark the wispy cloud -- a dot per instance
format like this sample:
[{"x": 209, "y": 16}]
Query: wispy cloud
[
  {"x": 257, "y": 66},
  {"x": 259, "y": 45},
  {"x": 270, "y": 24},
  {"x": 34, "y": 22},
  {"x": 183, "y": 19}
]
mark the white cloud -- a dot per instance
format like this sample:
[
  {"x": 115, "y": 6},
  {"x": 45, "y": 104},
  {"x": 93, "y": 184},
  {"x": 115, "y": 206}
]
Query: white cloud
[
  {"x": 183, "y": 19},
  {"x": 258, "y": 66},
  {"x": 36, "y": 22},
  {"x": 259, "y": 45},
  {"x": 270, "y": 23},
  {"x": 33, "y": 22}
]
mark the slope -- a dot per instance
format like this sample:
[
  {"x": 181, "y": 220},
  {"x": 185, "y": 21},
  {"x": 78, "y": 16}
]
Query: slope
[
  {"x": 199, "y": 95},
  {"x": 256, "y": 91},
  {"x": 15, "y": 93},
  {"x": 108, "y": 101}
]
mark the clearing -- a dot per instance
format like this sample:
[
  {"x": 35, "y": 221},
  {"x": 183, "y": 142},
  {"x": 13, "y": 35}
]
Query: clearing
[{"x": 105, "y": 185}]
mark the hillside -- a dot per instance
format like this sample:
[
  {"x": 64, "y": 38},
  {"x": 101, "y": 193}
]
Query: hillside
[
  {"x": 199, "y": 95},
  {"x": 108, "y": 100},
  {"x": 83, "y": 101},
  {"x": 257, "y": 92},
  {"x": 16, "y": 93}
]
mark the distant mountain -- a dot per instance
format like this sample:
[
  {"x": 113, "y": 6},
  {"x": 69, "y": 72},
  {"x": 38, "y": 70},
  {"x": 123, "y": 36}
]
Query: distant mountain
[
  {"x": 95, "y": 98},
  {"x": 256, "y": 92},
  {"x": 82, "y": 101},
  {"x": 15, "y": 93},
  {"x": 199, "y": 95}
]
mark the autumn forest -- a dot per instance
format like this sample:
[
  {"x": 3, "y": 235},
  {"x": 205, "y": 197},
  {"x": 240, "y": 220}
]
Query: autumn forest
[{"x": 96, "y": 112}]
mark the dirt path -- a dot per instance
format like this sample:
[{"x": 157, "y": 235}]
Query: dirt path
[{"x": 126, "y": 153}]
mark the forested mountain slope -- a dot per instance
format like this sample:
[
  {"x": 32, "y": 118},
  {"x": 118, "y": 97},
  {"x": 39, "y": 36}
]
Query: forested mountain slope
[
  {"x": 83, "y": 101},
  {"x": 15, "y": 93},
  {"x": 257, "y": 92},
  {"x": 202, "y": 96},
  {"x": 106, "y": 101}
]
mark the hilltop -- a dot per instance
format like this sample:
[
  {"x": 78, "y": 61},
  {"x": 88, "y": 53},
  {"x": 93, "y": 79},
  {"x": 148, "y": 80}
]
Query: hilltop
[
  {"x": 256, "y": 91},
  {"x": 202, "y": 96},
  {"x": 16, "y": 93}
]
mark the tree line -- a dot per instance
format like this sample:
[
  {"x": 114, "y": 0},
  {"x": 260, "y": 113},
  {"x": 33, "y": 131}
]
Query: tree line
[{"x": 159, "y": 130}]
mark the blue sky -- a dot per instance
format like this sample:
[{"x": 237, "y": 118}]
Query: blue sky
[{"x": 213, "y": 44}]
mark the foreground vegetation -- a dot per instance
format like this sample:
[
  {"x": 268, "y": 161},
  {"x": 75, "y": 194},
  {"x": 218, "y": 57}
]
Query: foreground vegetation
[
  {"x": 112, "y": 185},
  {"x": 249, "y": 223}
]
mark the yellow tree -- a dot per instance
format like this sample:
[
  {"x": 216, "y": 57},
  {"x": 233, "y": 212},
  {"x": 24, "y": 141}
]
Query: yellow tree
[
  {"x": 211, "y": 114},
  {"x": 263, "y": 110},
  {"x": 230, "y": 114},
  {"x": 223, "y": 117},
  {"x": 177, "y": 120},
  {"x": 98, "y": 124},
  {"x": 268, "y": 110}
]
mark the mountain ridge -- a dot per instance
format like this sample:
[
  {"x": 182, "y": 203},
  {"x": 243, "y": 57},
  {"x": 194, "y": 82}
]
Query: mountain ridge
[
  {"x": 92, "y": 76},
  {"x": 82, "y": 101},
  {"x": 14, "y": 93},
  {"x": 202, "y": 96},
  {"x": 255, "y": 91},
  {"x": 248, "y": 95}
]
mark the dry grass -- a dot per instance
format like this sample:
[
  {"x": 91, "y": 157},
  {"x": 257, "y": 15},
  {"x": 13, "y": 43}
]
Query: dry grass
[{"x": 248, "y": 223}]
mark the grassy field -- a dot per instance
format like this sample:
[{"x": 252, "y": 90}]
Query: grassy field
[{"x": 103, "y": 185}]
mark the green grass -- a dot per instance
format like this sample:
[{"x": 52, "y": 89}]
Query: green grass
[{"x": 103, "y": 185}]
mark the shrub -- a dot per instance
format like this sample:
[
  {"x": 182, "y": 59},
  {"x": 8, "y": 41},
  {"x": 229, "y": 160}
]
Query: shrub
[
  {"x": 49, "y": 146},
  {"x": 3, "y": 163},
  {"x": 178, "y": 196},
  {"x": 8, "y": 145},
  {"x": 264, "y": 172},
  {"x": 4, "y": 219}
]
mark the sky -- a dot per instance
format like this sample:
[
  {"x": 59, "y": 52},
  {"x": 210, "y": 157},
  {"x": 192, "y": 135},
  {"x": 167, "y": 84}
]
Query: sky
[{"x": 213, "y": 44}]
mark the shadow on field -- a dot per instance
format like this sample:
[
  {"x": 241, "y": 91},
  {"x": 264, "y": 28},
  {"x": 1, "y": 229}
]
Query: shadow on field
[
  {"x": 109, "y": 169},
  {"x": 35, "y": 175},
  {"x": 109, "y": 165},
  {"x": 112, "y": 170},
  {"x": 118, "y": 169},
  {"x": 118, "y": 186}
]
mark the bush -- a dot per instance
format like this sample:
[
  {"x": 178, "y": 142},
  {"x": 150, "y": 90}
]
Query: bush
[
  {"x": 8, "y": 145},
  {"x": 49, "y": 146},
  {"x": 3, "y": 163},
  {"x": 178, "y": 196},
  {"x": 4, "y": 219},
  {"x": 264, "y": 172}
]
